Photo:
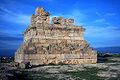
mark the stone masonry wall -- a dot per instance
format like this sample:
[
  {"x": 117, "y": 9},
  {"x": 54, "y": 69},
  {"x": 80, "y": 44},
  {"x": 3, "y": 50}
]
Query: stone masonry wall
[
  {"x": 37, "y": 59},
  {"x": 54, "y": 43}
]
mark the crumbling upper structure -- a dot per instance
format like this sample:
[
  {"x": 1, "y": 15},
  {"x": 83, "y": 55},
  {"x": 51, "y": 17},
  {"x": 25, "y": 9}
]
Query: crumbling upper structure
[{"x": 57, "y": 42}]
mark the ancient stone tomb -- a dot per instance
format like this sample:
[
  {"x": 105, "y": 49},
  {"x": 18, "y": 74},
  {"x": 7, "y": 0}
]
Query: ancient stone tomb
[{"x": 58, "y": 41}]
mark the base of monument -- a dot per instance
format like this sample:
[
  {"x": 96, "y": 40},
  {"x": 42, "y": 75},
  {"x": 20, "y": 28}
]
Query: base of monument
[{"x": 40, "y": 59}]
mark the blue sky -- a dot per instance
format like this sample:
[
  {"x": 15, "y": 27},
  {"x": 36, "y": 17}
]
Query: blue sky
[{"x": 99, "y": 17}]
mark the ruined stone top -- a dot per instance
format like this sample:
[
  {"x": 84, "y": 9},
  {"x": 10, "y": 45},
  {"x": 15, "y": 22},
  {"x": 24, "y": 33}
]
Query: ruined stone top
[
  {"x": 40, "y": 26},
  {"x": 41, "y": 16},
  {"x": 41, "y": 11}
]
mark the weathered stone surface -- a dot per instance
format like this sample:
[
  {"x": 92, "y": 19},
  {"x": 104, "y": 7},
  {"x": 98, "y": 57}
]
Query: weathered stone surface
[{"x": 58, "y": 42}]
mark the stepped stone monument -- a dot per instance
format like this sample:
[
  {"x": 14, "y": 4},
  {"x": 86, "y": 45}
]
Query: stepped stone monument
[{"x": 56, "y": 42}]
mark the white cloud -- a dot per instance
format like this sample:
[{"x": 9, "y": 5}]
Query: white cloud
[
  {"x": 100, "y": 20},
  {"x": 98, "y": 14},
  {"x": 13, "y": 17},
  {"x": 105, "y": 14},
  {"x": 109, "y": 31},
  {"x": 99, "y": 36},
  {"x": 75, "y": 14},
  {"x": 20, "y": 19},
  {"x": 110, "y": 14}
]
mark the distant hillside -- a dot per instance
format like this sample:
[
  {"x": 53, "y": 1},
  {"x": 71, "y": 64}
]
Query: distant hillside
[{"x": 109, "y": 49}]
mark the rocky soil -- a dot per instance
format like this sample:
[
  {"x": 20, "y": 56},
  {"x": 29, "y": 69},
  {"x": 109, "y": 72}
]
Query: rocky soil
[{"x": 99, "y": 71}]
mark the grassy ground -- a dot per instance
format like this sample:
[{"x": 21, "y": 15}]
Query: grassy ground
[
  {"x": 66, "y": 72},
  {"x": 88, "y": 73},
  {"x": 112, "y": 60}
]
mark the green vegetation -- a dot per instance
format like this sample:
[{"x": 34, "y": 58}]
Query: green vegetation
[
  {"x": 116, "y": 55},
  {"x": 111, "y": 61},
  {"x": 41, "y": 77},
  {"x": 88, "y": 73},
  {"x": 37, "y": 75}
]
